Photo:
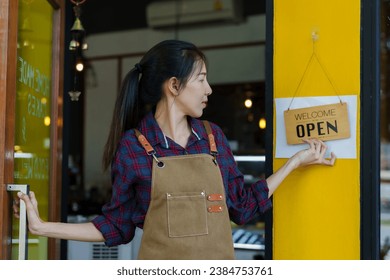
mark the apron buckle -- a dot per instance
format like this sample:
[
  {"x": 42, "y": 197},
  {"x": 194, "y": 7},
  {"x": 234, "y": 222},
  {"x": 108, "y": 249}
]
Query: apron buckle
[
  {"x": 214, "y": 154},
  {"x": 159, "y": 162}
]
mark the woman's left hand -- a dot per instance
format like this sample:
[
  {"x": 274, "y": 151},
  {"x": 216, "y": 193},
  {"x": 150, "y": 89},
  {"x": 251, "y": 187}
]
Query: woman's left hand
[{"x": 315, "y": 154}]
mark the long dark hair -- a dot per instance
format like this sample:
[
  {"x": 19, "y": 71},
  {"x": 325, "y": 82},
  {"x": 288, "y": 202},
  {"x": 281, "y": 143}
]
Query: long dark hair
[{"x": 142, "y": 86}]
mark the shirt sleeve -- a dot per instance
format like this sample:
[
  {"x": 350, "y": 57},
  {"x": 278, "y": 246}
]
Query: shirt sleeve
[
  {"x": 244, "y": 203},
  {"x": 115, "y": 222}
]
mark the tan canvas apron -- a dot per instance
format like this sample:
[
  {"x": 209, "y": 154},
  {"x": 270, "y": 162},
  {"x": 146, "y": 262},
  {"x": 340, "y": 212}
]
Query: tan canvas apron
[{"x": 187, "y": 217}]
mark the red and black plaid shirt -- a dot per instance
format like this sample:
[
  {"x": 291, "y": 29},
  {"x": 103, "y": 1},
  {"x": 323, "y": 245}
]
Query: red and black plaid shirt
[{"x": 132, "y": 175}]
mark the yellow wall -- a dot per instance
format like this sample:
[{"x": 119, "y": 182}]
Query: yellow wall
[{"x": 317, "y": 208}]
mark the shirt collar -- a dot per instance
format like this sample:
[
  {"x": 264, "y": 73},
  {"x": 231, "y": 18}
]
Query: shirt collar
[
  {"x": 151, "y": 130},
  {"x": 198, "y": 129}
]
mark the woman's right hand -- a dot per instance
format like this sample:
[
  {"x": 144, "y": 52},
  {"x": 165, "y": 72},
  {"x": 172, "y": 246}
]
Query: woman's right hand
[
  {"x": 69, "y": 231},
  {"x": 34, "y": 221}
]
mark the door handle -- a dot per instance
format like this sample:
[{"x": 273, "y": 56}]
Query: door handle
[{"x": 22, "y": 219}]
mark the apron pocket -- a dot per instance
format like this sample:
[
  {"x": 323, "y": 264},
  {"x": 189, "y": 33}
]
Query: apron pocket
[{"x": 187, "y": 214}]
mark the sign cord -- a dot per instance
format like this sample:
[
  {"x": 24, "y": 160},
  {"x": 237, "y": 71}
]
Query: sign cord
[{"x": 313, "y": 56}]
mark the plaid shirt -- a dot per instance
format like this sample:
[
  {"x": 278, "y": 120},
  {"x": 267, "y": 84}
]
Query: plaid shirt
[{"x": 132, "y": 174}]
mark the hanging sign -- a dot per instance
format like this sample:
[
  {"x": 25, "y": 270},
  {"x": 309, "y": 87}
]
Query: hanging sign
[{"x": 325, "y": 122}]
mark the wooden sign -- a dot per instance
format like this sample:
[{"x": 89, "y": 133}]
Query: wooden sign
[{"x": 325, "y": 122}]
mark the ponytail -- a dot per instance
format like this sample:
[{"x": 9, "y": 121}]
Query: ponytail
[{"x": 126, "y": 114}]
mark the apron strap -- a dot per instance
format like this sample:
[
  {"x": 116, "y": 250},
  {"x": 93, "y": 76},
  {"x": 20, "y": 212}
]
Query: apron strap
[
  {"x": 148, "y": 148},
  {"x": 213, "y": 146},
  {"x": 144, "y": 142}
]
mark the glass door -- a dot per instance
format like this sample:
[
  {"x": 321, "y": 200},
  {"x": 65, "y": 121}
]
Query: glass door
[
  {"x": 32, "y": 150},
  {"x": 33, "y": 111}
]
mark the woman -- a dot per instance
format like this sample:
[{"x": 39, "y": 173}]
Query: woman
[{"x": 172, "y": 174}]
